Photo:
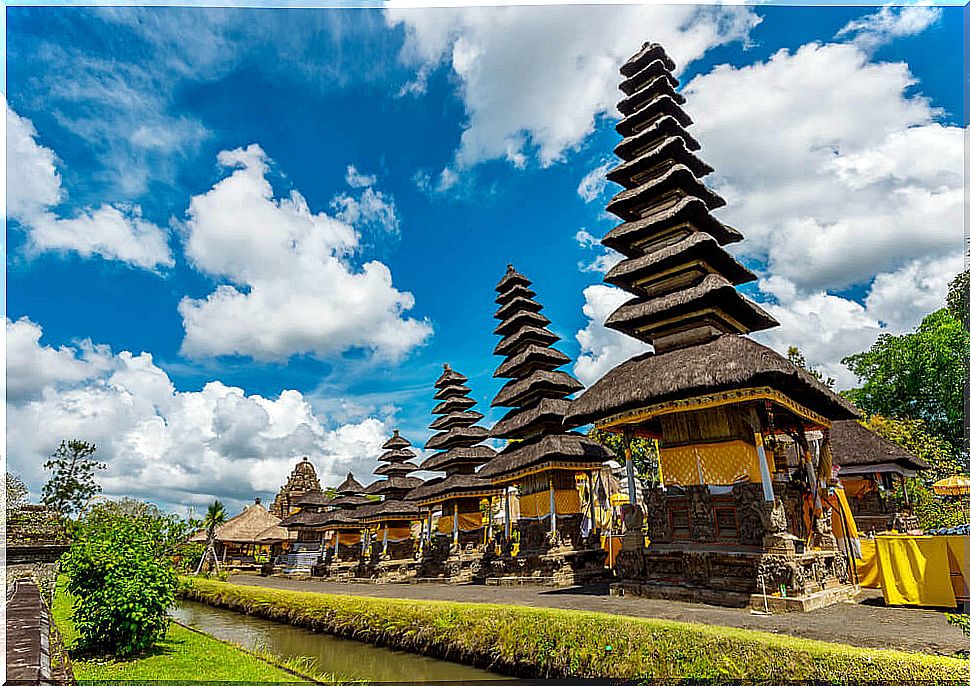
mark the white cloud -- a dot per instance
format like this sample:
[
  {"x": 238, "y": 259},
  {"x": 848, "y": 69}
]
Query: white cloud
[
  {"x": 593, "y": 184},
  {"x": 34, "y": 190},
  {"x": 292, "y": 288},
  {"x": 603, "y": 260},
  {"x": 879, "y": 28},
  {"x": 534, "y": 79},
  {"x": 355, "y": 179},
  {"x": 172, "y": 447},
  {"x": 601, "y": 349}
]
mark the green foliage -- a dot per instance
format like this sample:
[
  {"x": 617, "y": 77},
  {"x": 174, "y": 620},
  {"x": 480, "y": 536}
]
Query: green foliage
[
  {"x": 796, "y": 358},
  {"x": 642, "y": 450},
  {"x": 958, "y": 295},
  {"x": 72, "y": 483},
  {"x": 121, "y": 572},
  {"x": 542, "y": 642},
  {"x": 961, "y": 621},
  {"x": 15, "y": 493},
  {"x": 919, "y": 375}
]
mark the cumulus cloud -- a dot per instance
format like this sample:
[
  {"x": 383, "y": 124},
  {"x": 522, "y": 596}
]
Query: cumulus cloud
[
  {"x": 603, "y": 260},
  {"x": 593, "y": 184},
  {"x": 535, "y": 79},
  {"x": 34, "y": 190},
  {"x": 877, "y": 29},
  {"x": 601, "y": 349},
  {"x": 292, "y": 288},
  {"x": 175, "y": 448}
]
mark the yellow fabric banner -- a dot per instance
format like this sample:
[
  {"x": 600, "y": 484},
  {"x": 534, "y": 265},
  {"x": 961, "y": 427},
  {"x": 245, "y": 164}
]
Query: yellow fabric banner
[
  {"x": 958, "y": 549},
  {"x": 349, "y": 537},
  {"x": 446, "y": 524},
  {"x": 395, "y": 534},
  {"x": 915, "y": 570},
  {"x": 722, "y": 463},
  {"x": 848, "y": 540},
  {"x": 469, "y": 521},
  {"x": 867, "y": 566},
  {"x": 536, "y": 505}
]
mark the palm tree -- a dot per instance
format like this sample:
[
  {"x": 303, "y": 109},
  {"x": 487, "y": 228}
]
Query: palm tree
[{"x": 215, "y": 516}]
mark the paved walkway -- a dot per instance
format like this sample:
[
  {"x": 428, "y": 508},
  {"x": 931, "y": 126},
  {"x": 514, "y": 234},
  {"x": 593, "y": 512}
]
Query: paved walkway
[{"x": 867, "y": 623}]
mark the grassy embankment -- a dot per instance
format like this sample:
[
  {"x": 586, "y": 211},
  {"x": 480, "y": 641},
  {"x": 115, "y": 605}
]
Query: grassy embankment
[
  {"x": 532, "y": 642},
  {"x": 183, "y": 655}
]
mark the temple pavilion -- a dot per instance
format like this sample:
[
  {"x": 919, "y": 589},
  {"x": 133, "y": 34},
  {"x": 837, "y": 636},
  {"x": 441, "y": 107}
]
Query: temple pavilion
[
  {"x": 388, "y": 525},
  {"x": 465, "y": 501},
  {"x": 341, "y": 531},
  {"x": 555, "y": 530},
  {"x": 732, "y": 517}
]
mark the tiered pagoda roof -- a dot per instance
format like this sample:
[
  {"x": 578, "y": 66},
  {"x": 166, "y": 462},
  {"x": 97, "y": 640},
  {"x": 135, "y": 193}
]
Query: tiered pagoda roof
[
  {"x": 536, "y": 391},
  {"x": 302, "y": 480},
  {"x": 395, "y": 486},
  {"x": 458, "y": 441},
  {"x": 682, "y": 280},
  {"x": 343, "y": 512}
]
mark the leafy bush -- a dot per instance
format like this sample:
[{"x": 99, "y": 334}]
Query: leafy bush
[{"x": 121, "y": 571}]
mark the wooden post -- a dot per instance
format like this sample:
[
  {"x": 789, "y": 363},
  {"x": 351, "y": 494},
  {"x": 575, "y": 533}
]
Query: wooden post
[
  {"x": 430, "y": 519},
  {"x": 552, "y": 506},
  {"x": 336, "y": 545},
  {"x": 631, "y": 480},
  {"x": 508, "y": 516},
  {"x": 384, "y": 542}
]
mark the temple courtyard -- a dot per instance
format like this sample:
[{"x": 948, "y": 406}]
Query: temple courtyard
[{"x": 867, "y": 623}]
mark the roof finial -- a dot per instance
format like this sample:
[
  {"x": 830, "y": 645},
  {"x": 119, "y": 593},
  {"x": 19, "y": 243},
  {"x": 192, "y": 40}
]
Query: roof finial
[
  {"x": 447, "y": 367},
  {"x": 510, "y": 268},
  {"x": 396, "y": 432},
  {"x": 257, "y": 501}
]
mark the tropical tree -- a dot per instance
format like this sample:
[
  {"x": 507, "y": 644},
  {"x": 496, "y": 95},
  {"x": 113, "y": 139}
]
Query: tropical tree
[
  {"x": 796, "y": 358},
  {"x": 642, "y": 451},
  {"x": 71, "y": 484},
  {"x": 215, "y": 516},
  {"x": 15, "y": 493}
]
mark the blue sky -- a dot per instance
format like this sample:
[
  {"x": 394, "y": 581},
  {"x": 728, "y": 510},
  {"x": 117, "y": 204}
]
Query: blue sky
[{"x": 435, "y": 146}]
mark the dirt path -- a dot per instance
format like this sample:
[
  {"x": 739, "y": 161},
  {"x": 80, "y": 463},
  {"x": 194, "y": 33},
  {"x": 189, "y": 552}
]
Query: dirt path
[{"x": 867, "y": 623}]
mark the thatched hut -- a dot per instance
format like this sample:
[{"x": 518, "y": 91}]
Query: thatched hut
[{"x": 238, "y": 542}]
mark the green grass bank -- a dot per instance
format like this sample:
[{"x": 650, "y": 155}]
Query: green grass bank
[
  {"x": 531, "y": 642},
  {"x": 183, "y": 655}
]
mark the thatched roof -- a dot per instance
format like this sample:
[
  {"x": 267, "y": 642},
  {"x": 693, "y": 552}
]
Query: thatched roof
[
  {"x": 516, "y": 291},
  {"x": 726, "y": 363},
  {"x": 548, "y": 412},
  {"x": 650, "y": 71},
  {"x": 653, "y": 113},
  {"x": 453, "y": 404},
  {"x": 457, "y": 436},
  {"x": 312, "y": 499},
  {"x": 557, "y": 449},
  {"x": 520, "y": 319},
  {"x": 395, "y": 468},
  {"x": 529, "y": 358},
  {"x": 453, "y": 485},
  {"x": 855, "y": 446},
  {"x": 511, "y": 278},
  {"x": 302, "y": 519},
  {"x": 665, "y": 84},
  {"x": 629, "y": 203},
  {"x": 349, "y": 502},
  {"x": 517, "y": 304},
  {"x": 648, "y": 319},
  {"x": 388, "y": 509},
  {"x": 461, "y": 456},
  {"x": 393, "y": 483},
  {"x": 350, "y": 486},
  {"x": 451, "y": 390},
  {"x": 698, "y": 250},
  {"x": 451, "y": 419},
  {"x": 688, "y": 211},
  {"x": 671, "y": 149},
  {"x": 396, "y": 455},
  {"x": 547, "y": 383},
  {"x": 524, "y": 336},
  {"x": 396, "y": 441},
  {"x": 449, "y": 376},
  {"x": 244, "y": 527},
  {"x": 275, "y": 534},
  {"x": 339, "y": 519},
  {"x": 648, "y": 53}
]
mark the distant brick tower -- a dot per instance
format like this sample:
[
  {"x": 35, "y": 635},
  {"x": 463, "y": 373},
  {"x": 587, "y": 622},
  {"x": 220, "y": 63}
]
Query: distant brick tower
[{"x": 302, "y": 479}]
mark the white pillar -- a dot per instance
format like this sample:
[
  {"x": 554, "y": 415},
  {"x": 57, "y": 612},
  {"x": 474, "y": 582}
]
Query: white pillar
[
  {"x": 766, "y": 486},
  {"x": 384, "y": 542},
  {"x": 508, "y": 515},
  {"x": 336, "y": 544},
  {"x": 631, "y": 480},
  {"x": 454, "y": 527},
  {"x": 552, "y": 506}
]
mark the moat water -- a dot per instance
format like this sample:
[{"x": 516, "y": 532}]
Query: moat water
[{"x": 340, "y": 656}]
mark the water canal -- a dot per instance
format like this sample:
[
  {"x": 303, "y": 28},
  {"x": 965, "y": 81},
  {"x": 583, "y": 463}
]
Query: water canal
[{"x": 340, "y": 656}]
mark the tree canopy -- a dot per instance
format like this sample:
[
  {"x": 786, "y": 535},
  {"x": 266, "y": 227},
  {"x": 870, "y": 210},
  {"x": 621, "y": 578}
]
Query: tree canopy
[{"x": 71, "y": 483}]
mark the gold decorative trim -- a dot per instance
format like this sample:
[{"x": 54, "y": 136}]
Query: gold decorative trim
[{"x": 547, "y": 467}]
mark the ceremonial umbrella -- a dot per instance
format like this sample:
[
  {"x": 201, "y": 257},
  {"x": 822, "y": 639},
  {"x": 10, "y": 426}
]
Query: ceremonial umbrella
[{"x": 953, "y": 485}]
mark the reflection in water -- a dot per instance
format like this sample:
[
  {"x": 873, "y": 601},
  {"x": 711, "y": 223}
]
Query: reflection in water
[{"x": 339, "y": 656}]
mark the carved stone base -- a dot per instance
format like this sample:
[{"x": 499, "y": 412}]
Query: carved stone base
[{"x": 558, "y": 566}]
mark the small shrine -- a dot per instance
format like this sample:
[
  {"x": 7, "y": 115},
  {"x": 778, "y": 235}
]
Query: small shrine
[
  {"x": 390, "y": 545},
  {"x": 303, "y": 479},
  {"x": 554, "y": 539},
  {"x": 341, "y": 532},
  {"x": 464, "y": 500},
  {"x": 732, "y": 517}
]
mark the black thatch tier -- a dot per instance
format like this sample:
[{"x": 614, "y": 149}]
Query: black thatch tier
[
  {"x": 388, "y": 510},
  {"x": 449, "y": 376},
  {"x": 452, "y": 486},
  {"x": 396, "y": 469},
  {"x": 729, "y": 362},
  {"x": 540, "y": 383},
  {"x": 855, "y": 447},
  {"x": 529, "y": 358},
  {"x": 517, "y": 304},
  {"x": 349, "y": 502},
  {"x": 451, "y": 390},
  {"x": 519, "y": 320},
  {"x": 516, "y": 291},
  {"x": 665, "y": 84},
  {"x": 559, "y": 451},
  {"x": 546, "y": 414},
  {"x": 396, "y": 455},
  {"x": 650, "y": 116},
  {"x": 451, "y": 419},
  {"x": 650, "y": 71},
  {"x": 396, "y": 441},
  {"x": 393, "y": 483},
  {"x": 679, "y": 265},
  {"x": 457, "y": 436},
  {"x": 713, "y": 302},
  {"x": 313, "y": 499},
  {"x": 461, "y": 457},
  {"x": 647, "y": 54},
  {"x": 670, "y": 225},
  {"x": 637, "y": 203},
  {"x": 511, "y": 345},
  {"x": 339, "y": 519},
  {"x": 454, "y": 404},
  {"x": 654, "y": 162},
  {"x": 350, "y": 486},
  {"x": 511, "y": 278},
  {"x": 303, "y": 519},
  {"x": 653, "y": 135}
]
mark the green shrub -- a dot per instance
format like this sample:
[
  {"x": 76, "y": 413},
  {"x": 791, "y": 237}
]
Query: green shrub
[{"x": 121, "y": 572}]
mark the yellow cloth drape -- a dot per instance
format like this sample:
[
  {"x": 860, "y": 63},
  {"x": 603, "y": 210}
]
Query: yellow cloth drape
[
  {"x": 722, "y": 463},
  {"x": 847, "y": 540},
  {"x": 857, "y": 487},
  {"x": 446, "y": 524},
  {"x": 467, "y": 521},
  {"x": 536, "y": 505},
  {"x": 867, "y": 566},
  {"x": 915, "y": 570},
  {"x": 958, "y": 550},
  {"x": 395, "y": 534},
  {"x": 349, "y": 537}
]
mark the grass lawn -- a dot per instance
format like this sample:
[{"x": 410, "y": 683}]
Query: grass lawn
[
  {"x": 182, "y": 655},
  {"x": 541, "y": 642}
]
